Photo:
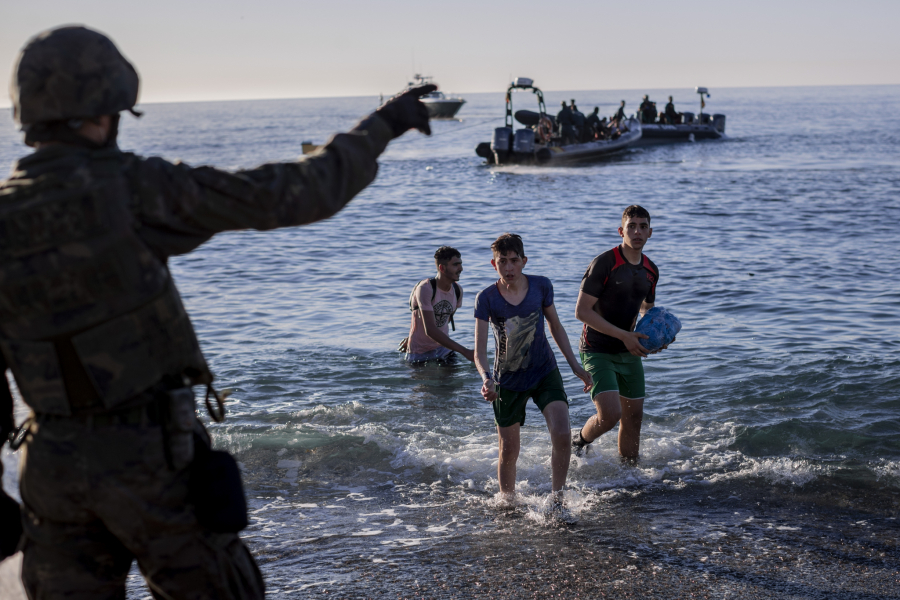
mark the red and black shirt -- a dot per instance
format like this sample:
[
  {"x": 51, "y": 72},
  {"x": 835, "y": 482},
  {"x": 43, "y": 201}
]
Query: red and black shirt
[{"x": 621, "y": 288}]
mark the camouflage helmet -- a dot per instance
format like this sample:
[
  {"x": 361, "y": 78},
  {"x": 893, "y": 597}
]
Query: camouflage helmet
[{"x": 70, "y": 73}]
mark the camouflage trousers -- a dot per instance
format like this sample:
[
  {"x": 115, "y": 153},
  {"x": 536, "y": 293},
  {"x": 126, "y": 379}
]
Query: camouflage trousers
[{"x": 97, "y": 498}]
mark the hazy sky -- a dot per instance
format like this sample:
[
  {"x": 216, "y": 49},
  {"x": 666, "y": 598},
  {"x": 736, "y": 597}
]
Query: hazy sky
[{"x": 229, "y": 49}]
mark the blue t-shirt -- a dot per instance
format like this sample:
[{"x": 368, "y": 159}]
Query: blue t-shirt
[{"x": 522, "y": 354}]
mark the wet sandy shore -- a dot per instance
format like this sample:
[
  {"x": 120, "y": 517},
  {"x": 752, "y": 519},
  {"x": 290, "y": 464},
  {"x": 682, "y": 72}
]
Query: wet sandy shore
[
  {"x": 727, "y": 540},
  {"x": 723, "y": 541}
]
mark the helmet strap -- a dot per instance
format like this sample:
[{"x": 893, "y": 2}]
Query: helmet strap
[{"x": 65, "y": 132}]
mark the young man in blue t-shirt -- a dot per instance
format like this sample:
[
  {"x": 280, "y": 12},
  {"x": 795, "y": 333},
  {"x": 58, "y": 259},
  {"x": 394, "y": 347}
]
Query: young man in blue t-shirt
[{"x": 524, "y": 364}]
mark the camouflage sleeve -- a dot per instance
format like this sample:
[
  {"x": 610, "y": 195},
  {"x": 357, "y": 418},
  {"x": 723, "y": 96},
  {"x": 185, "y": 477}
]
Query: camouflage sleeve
[{"x": 180, "y": 207}]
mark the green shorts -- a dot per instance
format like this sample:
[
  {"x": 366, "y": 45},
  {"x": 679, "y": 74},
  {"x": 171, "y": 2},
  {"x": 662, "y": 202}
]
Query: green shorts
[
  {"x": 509, "y": 407},
  {"x": 623, "y": 373}
]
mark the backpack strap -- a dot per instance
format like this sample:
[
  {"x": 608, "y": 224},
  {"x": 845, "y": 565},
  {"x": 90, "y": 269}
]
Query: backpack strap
[
  {"x": 433, "y": 281},
  {"x": 412, "y": 295},
  {"x": 458, "y": 292}
]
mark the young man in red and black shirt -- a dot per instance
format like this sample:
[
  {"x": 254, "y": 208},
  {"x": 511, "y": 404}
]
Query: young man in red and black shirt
[{"x": 619, "y": 285}]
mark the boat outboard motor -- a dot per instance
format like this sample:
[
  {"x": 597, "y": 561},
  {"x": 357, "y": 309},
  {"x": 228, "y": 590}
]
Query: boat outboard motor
[
  {"x": 719, "y": 123},
  {"x": 484, "y": 151},
  {"x": 704, "y": 119},
  {"x": 500, "y": 144},
  {"x": 523, "y": 144},
  {"x": 687, "y": 118}
]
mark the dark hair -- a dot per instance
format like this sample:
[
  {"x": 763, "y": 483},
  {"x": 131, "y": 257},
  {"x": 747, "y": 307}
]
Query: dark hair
[
  {"x": 509, "y": 242},
  {"x": 443, "y": 255},
  {"x": 636, "y": 212}
]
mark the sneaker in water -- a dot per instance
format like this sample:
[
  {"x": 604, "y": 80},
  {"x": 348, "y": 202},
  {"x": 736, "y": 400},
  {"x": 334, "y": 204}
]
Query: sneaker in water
[
  {"x": 556, "y": 503},
  {"x": 557, "y": 511},
  {"x": 578, "y": 444}
]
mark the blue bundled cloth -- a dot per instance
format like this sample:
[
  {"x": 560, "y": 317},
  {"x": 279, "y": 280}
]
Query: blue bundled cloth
[{"x": 660, "y": 325}]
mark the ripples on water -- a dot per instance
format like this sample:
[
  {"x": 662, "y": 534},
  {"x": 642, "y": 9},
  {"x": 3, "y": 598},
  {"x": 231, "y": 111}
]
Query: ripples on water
[{"x": 777, "y": 249}]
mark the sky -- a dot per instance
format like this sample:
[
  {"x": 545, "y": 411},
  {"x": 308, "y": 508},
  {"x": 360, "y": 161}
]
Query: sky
[{"x": 192, "y": 50}]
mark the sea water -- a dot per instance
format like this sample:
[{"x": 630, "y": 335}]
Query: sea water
[{"x": 777, "y": 248}]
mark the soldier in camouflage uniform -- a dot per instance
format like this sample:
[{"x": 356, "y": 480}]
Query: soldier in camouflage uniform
[{"x": 95, "y": 333}]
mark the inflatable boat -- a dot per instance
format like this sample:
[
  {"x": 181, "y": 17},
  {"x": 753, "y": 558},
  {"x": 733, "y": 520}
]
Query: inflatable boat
[
  {"x": 692, "y": 127},
  {"x": 538, "y": 142}
]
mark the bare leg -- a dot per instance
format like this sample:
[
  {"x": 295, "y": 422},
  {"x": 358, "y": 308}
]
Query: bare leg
[
  {"x": 507, "y": 457},
  {"x": 557, "y": 416},
  {"x": 609, "y": 411},
  {"x": 630, "y": 429}
]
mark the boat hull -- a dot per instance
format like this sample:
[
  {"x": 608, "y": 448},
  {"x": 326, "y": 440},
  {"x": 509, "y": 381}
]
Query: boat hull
[
  {"x": 596, "y": 150},
  {"x": 563, "y": 155},
  {"x": 657, "y": 133},
  {"x": 443, "y": 109}
]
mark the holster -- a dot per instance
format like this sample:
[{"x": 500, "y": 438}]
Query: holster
[
  {"x": 178, "y": 418},
  {"x": 215, "y": 488}
]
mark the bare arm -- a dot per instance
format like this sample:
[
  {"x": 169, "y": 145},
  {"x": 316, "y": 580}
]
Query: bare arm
[
  {"x": 562, "y": 342},
  {"x": 584, "y": 312},
  {"x": 645, "y": 306},
  {"x": 435, "y": 333},
  {"x": 488, "y": 387}
]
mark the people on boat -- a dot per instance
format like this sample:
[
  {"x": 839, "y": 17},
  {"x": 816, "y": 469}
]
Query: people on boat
[
  {"x": 647, "y": 110},
  {"x": 578, "y": 121},
  {"x": 565, "y": 121},
  {"x": 620, "y": 114},
  {"x": 672, "y": 117},
  {"x": 603, "y": 132},
  {"x": 592, "y": 121},
  {"x": 616, "y": 128},
  {"x": 596, "y": 127}
]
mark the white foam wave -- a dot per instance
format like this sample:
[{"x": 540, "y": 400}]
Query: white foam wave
[{"x": 694, "y": 452}]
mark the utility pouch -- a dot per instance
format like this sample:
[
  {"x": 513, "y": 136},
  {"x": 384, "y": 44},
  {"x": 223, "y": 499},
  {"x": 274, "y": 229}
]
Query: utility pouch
[
  {"x": 10, "y": 525},
  {"x": 180, "y": 422},
  {"x": 215, "y": 489}
]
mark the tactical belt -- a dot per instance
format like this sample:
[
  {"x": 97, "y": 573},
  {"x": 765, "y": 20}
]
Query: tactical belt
[{"x": 145, "y": 414}]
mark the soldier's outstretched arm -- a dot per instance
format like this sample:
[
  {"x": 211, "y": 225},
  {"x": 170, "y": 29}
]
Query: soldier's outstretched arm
[{"x": 181, "y": 207}]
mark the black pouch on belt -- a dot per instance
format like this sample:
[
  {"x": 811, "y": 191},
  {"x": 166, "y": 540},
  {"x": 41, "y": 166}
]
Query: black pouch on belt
[
  {"x": 10, "y": 524},
  {"x": 215, "y": 489}
]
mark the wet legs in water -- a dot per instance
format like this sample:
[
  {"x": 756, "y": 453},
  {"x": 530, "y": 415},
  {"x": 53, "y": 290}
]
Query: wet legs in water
[
  {"x": 612, "y": 408},
  {"x": 557, "y": 416}
]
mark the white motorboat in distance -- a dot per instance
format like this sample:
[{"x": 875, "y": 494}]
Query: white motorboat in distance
[
  {"x": 439, "y": 106},
  {"x": 540, "y": 141}
]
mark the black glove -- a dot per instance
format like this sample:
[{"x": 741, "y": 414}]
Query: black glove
[{"x": 404, "y": 111}]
